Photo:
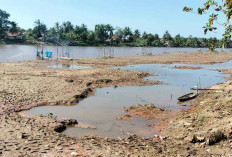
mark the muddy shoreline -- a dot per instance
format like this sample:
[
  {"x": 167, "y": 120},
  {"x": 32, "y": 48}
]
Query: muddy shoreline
[{"x": 28, "y": 84}]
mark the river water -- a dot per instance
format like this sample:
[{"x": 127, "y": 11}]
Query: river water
[
  {"x": 102, "y": 109},
  {"x": 28, "y": 52}
]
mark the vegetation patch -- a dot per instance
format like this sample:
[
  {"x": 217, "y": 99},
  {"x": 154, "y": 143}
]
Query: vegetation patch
[
  {"x": 52, "y": 116},
  {"x": 2, "y": 92}
]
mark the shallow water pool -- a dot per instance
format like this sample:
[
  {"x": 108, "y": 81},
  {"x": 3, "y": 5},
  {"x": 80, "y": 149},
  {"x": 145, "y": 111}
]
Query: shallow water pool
[
  {"x": 66, "y": 66},
  {"x": 102, "y": 109}
]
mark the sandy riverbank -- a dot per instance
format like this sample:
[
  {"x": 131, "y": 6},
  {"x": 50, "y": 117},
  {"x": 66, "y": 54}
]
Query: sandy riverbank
[
  {"x": 183, "y": 58},
  {"x": 203, "y": 130}
]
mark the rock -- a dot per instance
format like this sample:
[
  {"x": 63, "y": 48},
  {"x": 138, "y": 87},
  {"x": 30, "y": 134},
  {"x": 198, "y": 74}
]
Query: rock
[
  {"x": 215, "y": 136},
  {"x": 68, "y": 122},
  {"x": 74, "y": 154},
  {"x": 103, "y": 81},
  {"x": 59, "y": 128},
  {"x": 22, "y": 136},
  {"x": 198, "y": 139},
  {"x": 187, "y": 124},
  {"x": 89, "y": 84},
  {"x": 69, "y": 80}
]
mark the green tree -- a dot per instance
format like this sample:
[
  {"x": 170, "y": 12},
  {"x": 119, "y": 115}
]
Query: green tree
[
  {"x": 167, "y": 39},
  {"x": 67, "y": 27},
  {"x": 4, "y": 23},
  {"x": 91, "y": 37},
  {"x": 177, "y": 41},
  {"x": 102, "y": 32},
  {"x": 144, "y": 36},
  {"x": 13, "y": 27},
  {"x": 40, "y": 30},
  {"x": 119, "y": 33},
  {"x": 156, "y": 40},
  {"x": 150, "y": 39},
  {"x": 137, "y": 34},
  {"x": 127, "y": 34},
  {"x": 213, "y": 8}
]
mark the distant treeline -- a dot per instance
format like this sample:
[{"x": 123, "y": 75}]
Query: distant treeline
[{"x": 103, "y": 35}]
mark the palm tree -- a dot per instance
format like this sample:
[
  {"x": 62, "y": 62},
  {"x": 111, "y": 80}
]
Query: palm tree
[
  {"x": 40, "y": 29},
  {"x": 137, "y": 34},
  {"x": 167, "y": 38}
]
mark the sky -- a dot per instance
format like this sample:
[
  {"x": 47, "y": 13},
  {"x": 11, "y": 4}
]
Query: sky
[{"x": 152, "y": 16}]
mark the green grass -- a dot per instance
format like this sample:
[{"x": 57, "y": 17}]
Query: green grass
[
  {"x": 52, "y": 116},
  {"x": 63, "y": 134},
  {"x": 2, "y": 91},
  {"x": 203, "y": 118}
]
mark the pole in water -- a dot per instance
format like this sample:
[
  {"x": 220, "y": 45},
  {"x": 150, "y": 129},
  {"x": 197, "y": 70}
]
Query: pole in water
[
  {"x": 57, "y": 52},
  {"x": 42, "y": 54}
]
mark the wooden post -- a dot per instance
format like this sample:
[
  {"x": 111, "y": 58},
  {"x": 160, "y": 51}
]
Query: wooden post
[{"x": 57, "y": 52}]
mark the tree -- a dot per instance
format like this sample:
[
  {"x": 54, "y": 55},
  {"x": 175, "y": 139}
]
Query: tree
[
  {"x": 157, "y": 40},
  {"x": 104, "y": 32},
  {"x": 101, "y": 33},
  {"x": 177, "y": 42},
  {"x": 127, "y": 34},
  {"x": 4, "y": 23},
  {"x": 214, "y": 8},
  {"x": 40, "y": 30},
  {"x": 167, "y": 39},
  {"x": 119, "y": 33},
  {"x": 67, "y": 27},
  {"x": 110, "y": 30},
  {"x": 91, "y": 37},
  {"x": 13, "y": 27},
  {"x": 137, "y": 34},
  {"x": 144, "y": 36},
  {"x": 150, "y": 39}
]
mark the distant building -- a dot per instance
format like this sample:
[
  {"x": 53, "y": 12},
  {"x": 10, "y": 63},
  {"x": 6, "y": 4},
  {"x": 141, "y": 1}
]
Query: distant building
[
  {"x": 114, "y": 38},
  {"x": 14, "y": 36}
]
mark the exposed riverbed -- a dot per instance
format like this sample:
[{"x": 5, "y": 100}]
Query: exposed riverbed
[
  {"x": 28, "y": 84},
  {"x": 102, "y": 109}
]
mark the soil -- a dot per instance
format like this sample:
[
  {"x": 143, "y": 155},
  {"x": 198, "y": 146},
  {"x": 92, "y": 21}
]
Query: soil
[
  {"x": 28, "y": 84},
  {"x": 204, "y": 129}
]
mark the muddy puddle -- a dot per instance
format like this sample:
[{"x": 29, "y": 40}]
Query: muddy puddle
[
  {"x": 66, "y": 66},
  {"x": 102, "y": 109}
]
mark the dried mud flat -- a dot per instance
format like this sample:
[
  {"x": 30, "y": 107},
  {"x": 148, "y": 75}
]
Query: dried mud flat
[{"x": 205, "y": 129}]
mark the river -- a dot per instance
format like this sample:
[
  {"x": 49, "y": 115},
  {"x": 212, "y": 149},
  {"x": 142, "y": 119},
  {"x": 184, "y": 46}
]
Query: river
[{"x": 10, "y": 53}]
